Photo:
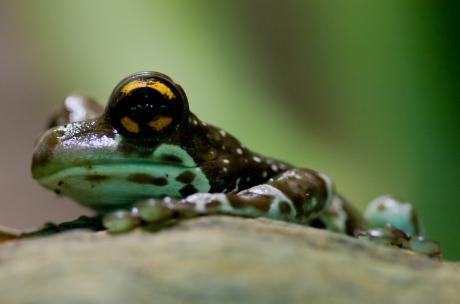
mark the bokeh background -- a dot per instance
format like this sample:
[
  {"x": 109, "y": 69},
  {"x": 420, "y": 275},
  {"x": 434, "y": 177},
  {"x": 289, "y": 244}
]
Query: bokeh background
[{"x": 367, "y": 91}]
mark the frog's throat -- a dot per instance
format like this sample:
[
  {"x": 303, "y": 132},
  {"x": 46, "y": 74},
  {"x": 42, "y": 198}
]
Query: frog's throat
[{"x": 110, "y": 186}]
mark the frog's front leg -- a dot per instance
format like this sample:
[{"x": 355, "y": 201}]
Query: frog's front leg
[
  {"x": 83, "y": 222},
  {"x": 297, "y": 195}
]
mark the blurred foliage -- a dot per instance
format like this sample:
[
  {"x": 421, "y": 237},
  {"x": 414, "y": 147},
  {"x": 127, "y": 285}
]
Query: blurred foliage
[{"x": 367, "y": 91}]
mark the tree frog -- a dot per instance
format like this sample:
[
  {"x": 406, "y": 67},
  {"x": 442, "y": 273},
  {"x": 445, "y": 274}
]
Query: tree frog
[{"x": 146, "y": 159}]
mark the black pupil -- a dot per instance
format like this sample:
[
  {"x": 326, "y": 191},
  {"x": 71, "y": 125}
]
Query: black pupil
[{"x": 144, "y": 105}]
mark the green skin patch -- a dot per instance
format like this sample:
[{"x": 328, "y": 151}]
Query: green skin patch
[
  {"x": 110, "y": 186},
  {"x": 137, "y": 176}
]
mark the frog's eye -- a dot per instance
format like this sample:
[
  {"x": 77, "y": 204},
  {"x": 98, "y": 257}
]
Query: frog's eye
[{"x": 147, "y": 106}]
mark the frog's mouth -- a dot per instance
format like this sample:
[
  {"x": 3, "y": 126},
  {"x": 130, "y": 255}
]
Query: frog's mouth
[
  {"x": 108, "y": 186},
  {"x": 102, "y": 179}
]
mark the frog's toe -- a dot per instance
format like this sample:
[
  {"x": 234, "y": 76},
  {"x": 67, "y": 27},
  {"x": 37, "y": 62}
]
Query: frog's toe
[
  {"x": 425, "y": 246},
  {"x": 387, "y": 235},
  {"x": 120, "y": 221},
  {"x": 7, "y": 234},
  {"x": 154, "y": 210},
  {"x": 392, "y": 236}
]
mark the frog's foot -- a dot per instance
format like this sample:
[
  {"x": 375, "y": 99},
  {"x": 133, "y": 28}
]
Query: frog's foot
[
  {"x": 396, "y": 223},
  {"x": 387, "y": 210},
  {"x": 391, "y": 236},
  {"x": 83, "y": 222},
  {"x": 296, "y": 195},
  {"x": 152, "y": 214}
]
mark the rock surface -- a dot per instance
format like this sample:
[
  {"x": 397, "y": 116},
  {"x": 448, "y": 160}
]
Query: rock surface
[{"x": 220, "y": 260}]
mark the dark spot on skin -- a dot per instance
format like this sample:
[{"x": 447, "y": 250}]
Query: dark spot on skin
[
  {"x": 59, "y": 133},
  {"x": 88, "y": 166},
  {"x": 169, "y": 158},
  {"x": 57, "y": 191},
  {"x": 60, "y": 183},
  {"x": 39, "y": 159},
  {"x": 140, "y": 150},
  {"x": 188, "y": 190},
  {"x": 354, "y": 221},
  {"x": 284, "y": 207},
  {"x": 125, "y": 148},
  {"x": 415, "y": 223},
  {"x": 186, "y": 177},
  {"x": 213, "y": 205},
  {"x": 258, "y": 201},
  {"x": 96, "y": 178},
  {"x": 52, "y": 142},
  {"x": 145, "y": 153},
  {"x": 317, "y": 223},
  {"x": 142, "y": 178},
  {"x": 381, "y": 207},
  {"x": 209, "y": 155}
]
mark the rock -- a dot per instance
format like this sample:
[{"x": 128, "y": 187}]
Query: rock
[{"x": 220, "y": 260}]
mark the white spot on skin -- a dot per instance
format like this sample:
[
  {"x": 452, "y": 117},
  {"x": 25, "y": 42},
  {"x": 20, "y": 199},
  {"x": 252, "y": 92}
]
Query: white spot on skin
[
  {"x": 222, "y": 132},
  {"x": 135, "y": 212},
  {"x": 239, "y": 151},
  {"x": 274, "y": 167},
  {"x": 225, "y": 161},
  {"x": 224, "y": 169},
  {"x": 248, "y": 179},
  {"x": 200, "y": 200},
  {"x": 256, "y": 159},
  {"x": 195, "y": 122},
  {"x": 168, "y": 200},
  {"x": 264, "y": 174}
]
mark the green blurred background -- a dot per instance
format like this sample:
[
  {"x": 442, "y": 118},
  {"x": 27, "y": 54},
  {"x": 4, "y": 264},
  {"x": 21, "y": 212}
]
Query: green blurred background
[{"x": 366, "y": 91}]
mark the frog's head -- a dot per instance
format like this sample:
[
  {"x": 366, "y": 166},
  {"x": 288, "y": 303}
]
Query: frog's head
[{"x": 146, "y": 143}]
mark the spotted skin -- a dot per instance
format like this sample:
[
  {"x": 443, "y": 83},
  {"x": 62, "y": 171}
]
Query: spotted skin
[{"x": 146, "y": 158}]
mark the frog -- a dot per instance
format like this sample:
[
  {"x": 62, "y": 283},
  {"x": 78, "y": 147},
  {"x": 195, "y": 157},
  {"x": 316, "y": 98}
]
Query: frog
[{"x": 145, "y": 160}]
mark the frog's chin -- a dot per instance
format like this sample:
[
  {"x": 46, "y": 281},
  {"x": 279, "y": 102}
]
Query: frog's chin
[{"x": 111, "y": 186}]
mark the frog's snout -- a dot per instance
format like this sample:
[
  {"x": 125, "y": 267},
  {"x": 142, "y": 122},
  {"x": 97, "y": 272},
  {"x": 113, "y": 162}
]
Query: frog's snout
[{"x": 44, "y": 150}]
